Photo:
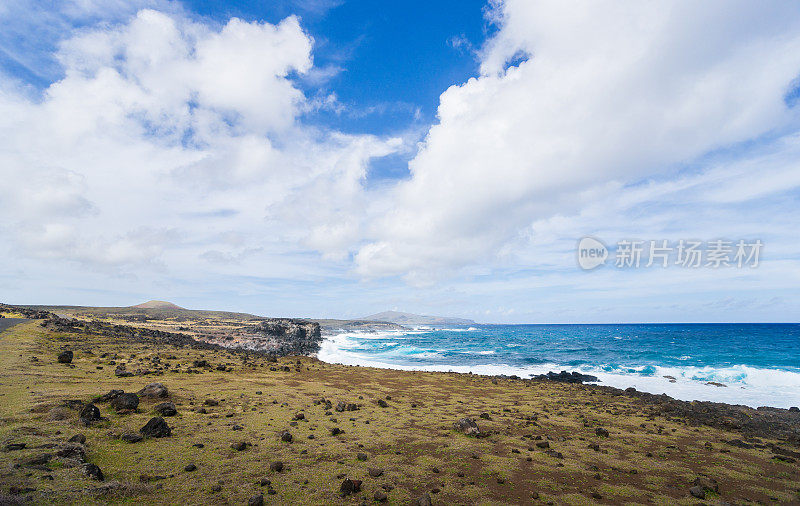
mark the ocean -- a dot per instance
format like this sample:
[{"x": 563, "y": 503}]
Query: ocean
[{"x": 758, "y": 364}]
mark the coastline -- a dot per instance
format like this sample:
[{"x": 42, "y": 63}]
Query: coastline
[{"x": 766, "y": 387}]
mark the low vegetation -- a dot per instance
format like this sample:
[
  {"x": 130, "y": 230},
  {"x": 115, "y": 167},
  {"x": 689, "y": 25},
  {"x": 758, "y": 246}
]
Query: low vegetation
[{"x": 249, "y": 428}]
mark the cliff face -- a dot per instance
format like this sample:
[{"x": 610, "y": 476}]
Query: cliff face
[
  {"x": 278, "y": 336},
  {"x": 290, "y": 337},
  {"x": 275, "y": 336}
]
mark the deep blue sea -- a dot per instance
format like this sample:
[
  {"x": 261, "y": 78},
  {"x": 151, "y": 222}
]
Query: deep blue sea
[{"x": 759, "y": 364}]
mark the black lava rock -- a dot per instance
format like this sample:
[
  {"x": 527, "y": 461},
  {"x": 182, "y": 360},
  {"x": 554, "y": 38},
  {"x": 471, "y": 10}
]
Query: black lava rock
[{"x": 156, "y": 427}]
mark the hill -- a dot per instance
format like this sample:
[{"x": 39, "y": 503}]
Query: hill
[
  {"x": 157, "y": 304},
  {"x": 416, "y": 319}
]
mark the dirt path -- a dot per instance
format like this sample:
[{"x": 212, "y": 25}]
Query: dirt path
[{"x": 7, "y": 323}]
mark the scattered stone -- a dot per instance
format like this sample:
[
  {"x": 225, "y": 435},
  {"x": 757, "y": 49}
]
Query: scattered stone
[
  {"x": 299, "y": 416},
  {"x": 566, "y": 377},
  {"x": 93, "y": 472},
  {"x": 156, "y": 427},
  {"x": 543, "y": 445},
  {"x": 190, "y": 468},
  {"x": 708, "y": 484},
  {"x": 423, "y": 500},
  {"x": 383, "y": 403},
  {"x": 240, "y": 446},
  {"x": 601, "y": 432},
  {"x": 467, "y": 426},
  {"x": 14, "y": 490},
  {"x": 111, "y": 395},
  {"x": 125, "y": 402},
  {"x": 594, "y": 446},
  {"x": 122, "y": 372},
  {"x": 256, "y": 500},
  {"x": 380, "y": 496},
  {"x": 131, "y": 438},
  {"x": 739, "y": 444},
  {"x": 375, "y": 472},
  {"x": 10, "y": 447},
  {"x": 349, "y": 486},
  {"x": 65, "y": 357},
  {"x": 154, "y": 391},
  {"x": 286, "y": 436},
  {"x": 90, "y": 413},
  {"x": 39, "y": 460},
  {"x": 211, "y": 402},
  {"x": 336, "y": 431},
  {"x": 362, "y": 457},
  {"x": 698, "y": 492},
  {"x": 166, "y": 409},
  {"x": 485, "y": 416},
  {"x": 276, "y": 466}
]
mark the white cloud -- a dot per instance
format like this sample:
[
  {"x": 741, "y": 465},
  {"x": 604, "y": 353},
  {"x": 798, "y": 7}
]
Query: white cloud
[
  {"x": 158, "y": 124},
  {"x": 612, "y": 92}
]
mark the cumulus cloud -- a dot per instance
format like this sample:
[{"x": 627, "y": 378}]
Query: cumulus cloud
[
  {"x": 606, "y": 92},
  {"x": 158, "y": 124}
]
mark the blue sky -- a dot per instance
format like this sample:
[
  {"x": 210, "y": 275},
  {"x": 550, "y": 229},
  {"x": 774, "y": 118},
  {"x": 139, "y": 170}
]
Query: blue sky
[{"x": 330, "y": 158}]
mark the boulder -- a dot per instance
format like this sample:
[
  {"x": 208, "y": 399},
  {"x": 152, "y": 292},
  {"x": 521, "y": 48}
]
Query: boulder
[
  {"x": 90, "y": 413},
  {"x": 156, "y": 427},
  {"x": 93, "y": 472},
  {"x": 708, "y": 484},
  {"x": 131, "y": 438},
  {"x": 65, "y": 357},
  {"x": 121, "y": 372},
  {"x": 125, "y": 402},
  {"x": 276, "y": 466},
  {"x": 467, "y": 426},
  {"x": 567, "y": 377},
  {"x": 154, "y": 391},
  {"x": 349, "y": 486},
  {"x": 698, "y": 492},
  {"x": 110, "y": 396},
  {"x": 423, "y": 500},
  {"x": 166, "y": 409}
]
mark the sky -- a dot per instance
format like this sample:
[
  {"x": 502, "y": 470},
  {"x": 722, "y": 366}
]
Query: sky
[{"x": 337, "y": 158}]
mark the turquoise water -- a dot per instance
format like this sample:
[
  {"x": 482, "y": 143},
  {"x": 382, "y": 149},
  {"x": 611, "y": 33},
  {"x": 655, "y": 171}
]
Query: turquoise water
[{"x": 759, "y": 364}]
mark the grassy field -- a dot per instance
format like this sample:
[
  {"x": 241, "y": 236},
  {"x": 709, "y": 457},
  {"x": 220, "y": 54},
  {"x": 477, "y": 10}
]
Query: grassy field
[{"x": 410, "y": 445}]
